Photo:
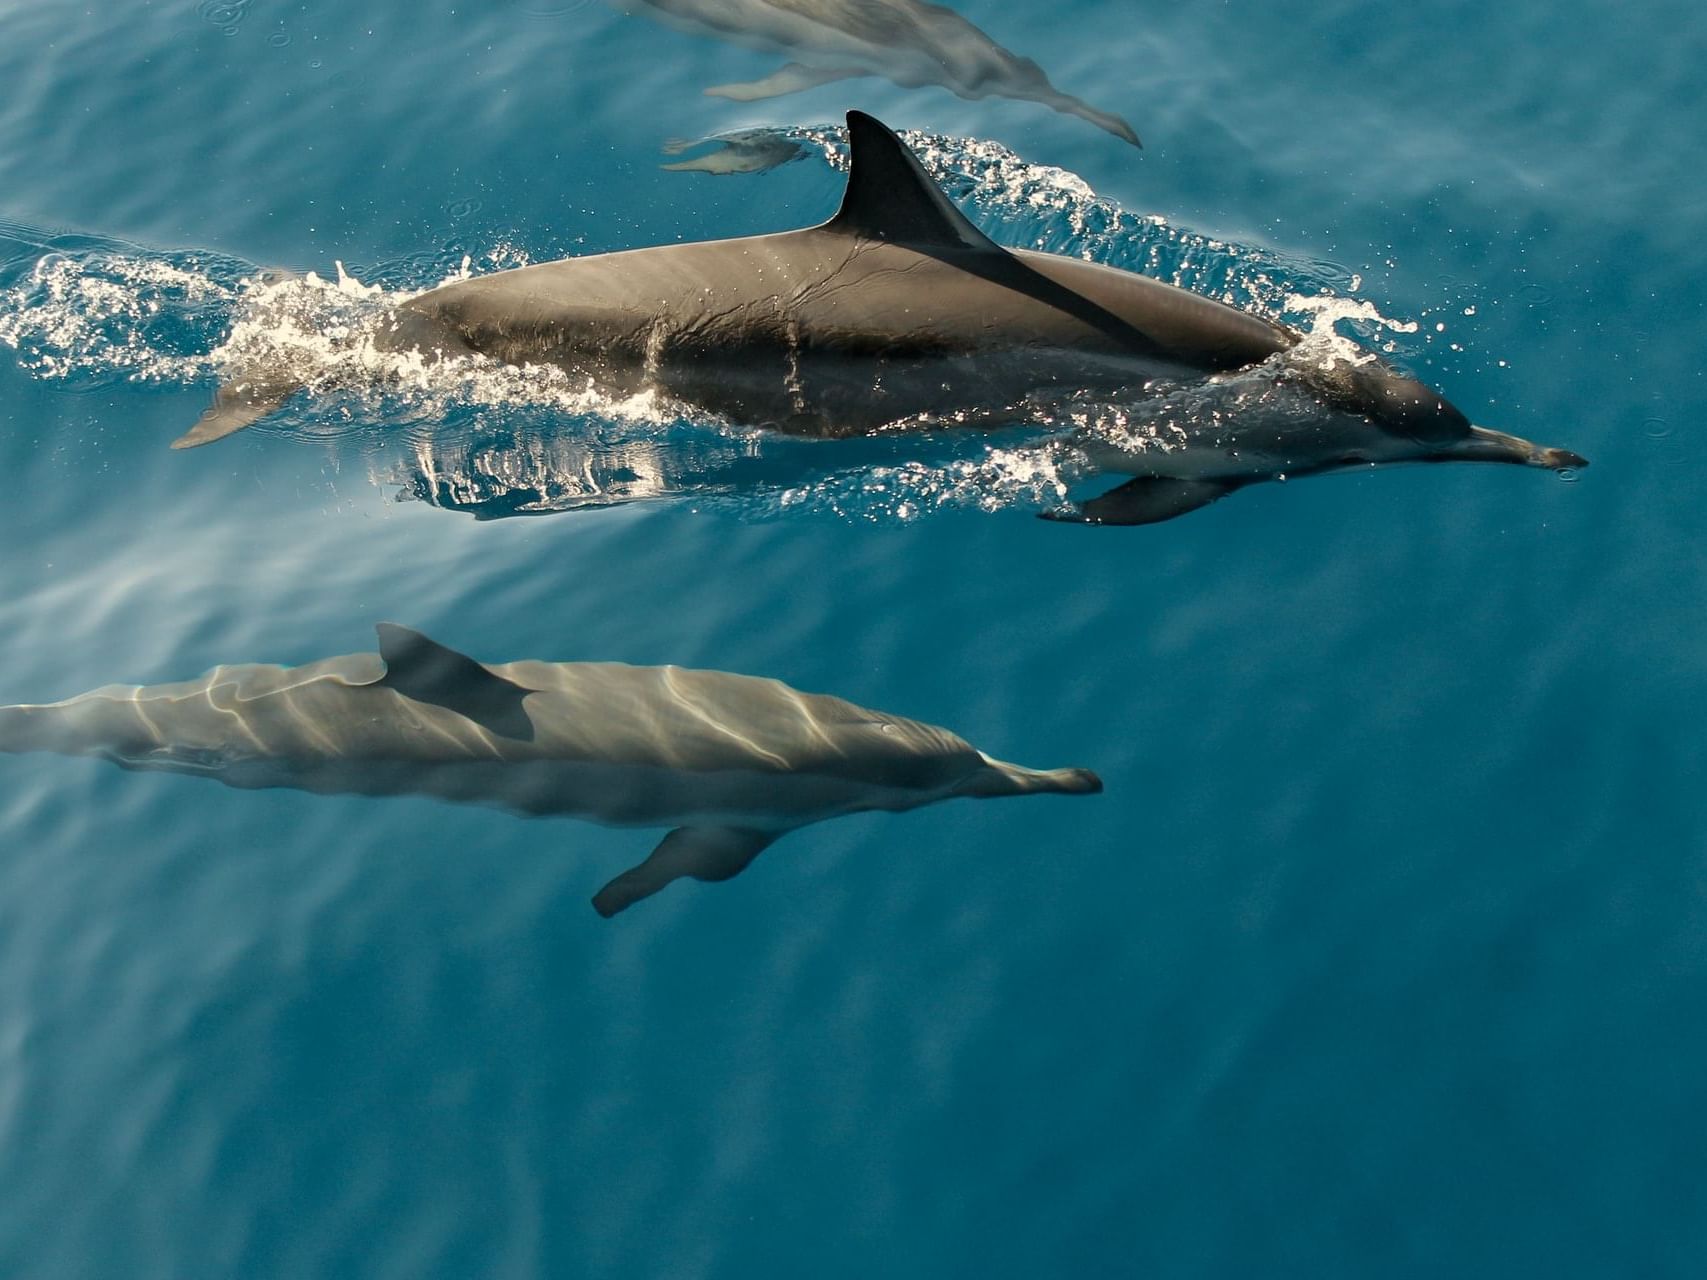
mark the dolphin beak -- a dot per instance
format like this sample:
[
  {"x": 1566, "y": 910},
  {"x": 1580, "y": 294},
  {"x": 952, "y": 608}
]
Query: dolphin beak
[
  {"x": 1484, "y": 444},
  {"x": 1561, "y": 458},
  {"x": 1000, "y": 778}
]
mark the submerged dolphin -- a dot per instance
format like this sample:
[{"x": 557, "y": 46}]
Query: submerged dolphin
[
  {"x": 911, "y": 43},
  {"x": 731, "y": 762},
  {"x": 744, "y": 151},
  {"x": 899, "y": 311}
]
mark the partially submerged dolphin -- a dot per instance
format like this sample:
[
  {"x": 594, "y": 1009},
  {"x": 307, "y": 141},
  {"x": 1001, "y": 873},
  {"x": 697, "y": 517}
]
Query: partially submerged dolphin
[
  {"x": 909, "y": 42},
  {"x": 731, "y": 762},
  {"x": 898, "y": 311},
  {"x": 744, "y": 151}
]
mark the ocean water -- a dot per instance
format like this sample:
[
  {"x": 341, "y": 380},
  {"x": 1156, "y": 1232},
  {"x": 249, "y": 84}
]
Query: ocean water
[{"x": 1384, "y": 951}]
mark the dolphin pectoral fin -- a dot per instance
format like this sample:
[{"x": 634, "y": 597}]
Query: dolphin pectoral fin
[
  {"x": 235, "y": 406},
  {"x": 705, "y": 853},
  {"x": 427, "y": 671},
  {"x": 792, "y": 78},
  {"x": 1146, "y": 500}
]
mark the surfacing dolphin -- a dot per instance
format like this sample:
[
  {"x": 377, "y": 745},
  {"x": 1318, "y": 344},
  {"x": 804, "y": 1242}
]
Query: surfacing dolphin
[
  {"x": 911, "y": 43},
  {"x": 731, "y": 762},
  {"x": 898, "y": 311}
]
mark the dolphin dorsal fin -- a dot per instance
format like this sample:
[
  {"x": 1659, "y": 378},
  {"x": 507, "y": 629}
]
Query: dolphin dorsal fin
[
  {"x": 891, "y": 197},
  {"x": 426, "y": 671}
]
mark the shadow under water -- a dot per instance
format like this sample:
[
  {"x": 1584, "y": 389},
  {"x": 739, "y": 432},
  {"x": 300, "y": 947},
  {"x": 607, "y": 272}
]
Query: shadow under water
[{"x": 908, "y": 42}]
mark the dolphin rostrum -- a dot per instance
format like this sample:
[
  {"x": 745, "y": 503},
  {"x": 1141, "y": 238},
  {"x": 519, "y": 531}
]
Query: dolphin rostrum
[
  {"x": 899, "y": 312},
  {"x": 907, "y": 41},
  {"x": 730, "y": 762}
]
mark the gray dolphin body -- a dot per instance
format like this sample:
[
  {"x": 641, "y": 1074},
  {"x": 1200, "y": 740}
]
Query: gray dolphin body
[
  {"x": 731, "y": 762},
  {"x": 908, "y": 42},
  {"x": 899, "y": 311}
]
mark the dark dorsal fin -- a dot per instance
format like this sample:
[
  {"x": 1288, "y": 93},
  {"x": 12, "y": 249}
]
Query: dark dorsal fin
[
  {"x": 891, "y": 197},
  {"x": 426, "y": 671}
]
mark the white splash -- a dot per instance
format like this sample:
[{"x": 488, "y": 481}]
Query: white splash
[
  {"x": 1324, "y": 342},
  {"x": 103, "y": 314}
]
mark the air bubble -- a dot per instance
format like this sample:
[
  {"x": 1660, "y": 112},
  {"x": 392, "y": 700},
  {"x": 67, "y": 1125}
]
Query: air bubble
[{"x": 224, "y": 14}]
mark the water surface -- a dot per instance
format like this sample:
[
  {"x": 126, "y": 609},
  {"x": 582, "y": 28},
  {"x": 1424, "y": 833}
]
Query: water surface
[{"x": 1383, "y": 952}]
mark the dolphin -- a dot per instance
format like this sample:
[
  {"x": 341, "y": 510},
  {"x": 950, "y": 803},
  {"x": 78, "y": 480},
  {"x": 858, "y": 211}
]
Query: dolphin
[
  {"x": 909, "y": 42},
  {"x": 899, "y": 312},
  {"x": 730, "y": 762}
]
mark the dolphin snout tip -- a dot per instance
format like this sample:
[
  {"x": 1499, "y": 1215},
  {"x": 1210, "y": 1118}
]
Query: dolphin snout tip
[
  {"x": 999, "y": 778},
  {"x": 1079, "y": 782},
  {"x": 1562, "y": 460}
]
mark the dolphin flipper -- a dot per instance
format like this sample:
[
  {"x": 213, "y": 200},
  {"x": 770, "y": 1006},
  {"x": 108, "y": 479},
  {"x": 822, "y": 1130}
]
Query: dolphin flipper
[
  {"x": 705, "y": 853},
  {"x": 1146, "y": 500},
  {"x": 792, "y": 78},
  {"x": 427, "y": 671}
]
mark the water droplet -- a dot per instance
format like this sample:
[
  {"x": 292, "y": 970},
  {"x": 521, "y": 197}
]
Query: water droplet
[
  {"x": 314, "y": 64},
  {"x": 1656, "y": 428},
  {"x": 463, "y": 208},
  {"x": 1568, "y": 474},
  {"x": 279, "y": 39}
]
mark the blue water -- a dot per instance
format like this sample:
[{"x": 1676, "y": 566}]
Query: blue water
[{"x": 1384, "y": 952}]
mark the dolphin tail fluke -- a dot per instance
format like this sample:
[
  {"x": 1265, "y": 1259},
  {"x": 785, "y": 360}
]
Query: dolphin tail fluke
[
  {"x": 240, "y": 402},
  {"x": 48, "y": 727},
  {"x": 1146, "y": 500},
  {"x": 704, "y": 853},
  {"x": 19, "y": 730}
]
